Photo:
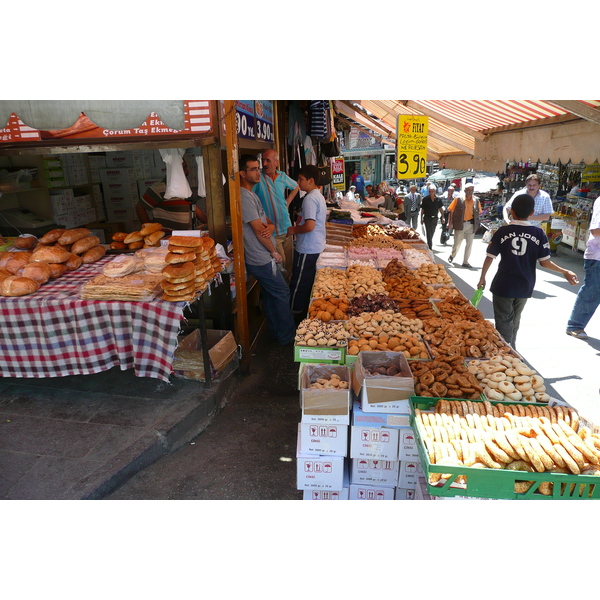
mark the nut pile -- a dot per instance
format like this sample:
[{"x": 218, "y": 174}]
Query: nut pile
[
  {"x": 445, "y": 377},
  {"x": 314, "y": 332},
  {"x": 509, "y": 378}
]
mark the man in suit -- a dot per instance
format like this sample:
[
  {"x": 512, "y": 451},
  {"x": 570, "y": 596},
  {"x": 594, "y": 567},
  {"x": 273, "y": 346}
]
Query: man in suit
[{"x": 412, "y": 207}]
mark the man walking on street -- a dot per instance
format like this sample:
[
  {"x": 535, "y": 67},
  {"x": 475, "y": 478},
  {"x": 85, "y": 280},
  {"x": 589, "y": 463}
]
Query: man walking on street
[
  {"x": 271, "y": 190},
  {"x": 588, "y": 297},
  {"x": 430, "y": 207},
  {"x": 447, "y": 199},
  {"x": 261, "y": 255},
  {"x": 463, "y": 218},
  {"x": 412, "y": 207}
]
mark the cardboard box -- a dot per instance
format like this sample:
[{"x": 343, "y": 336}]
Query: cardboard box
[
  {"x": 188, "y": 360},
  {"x": 326, "y": 494},
  {"x": 116, "y": 174},
  {"x": 380, "y": 393},
  {"x": 324, "y": 405},
  {"x": 145, "y": 183},
  {"x": 117, "y": 189},
  {"x": 405, "y": 494},
  {"x": 409, "y": 473},
  {"x": 118, "y": 160},
  {"x": 374, "y": 471},
  {"x": 407, "y": 449},
  {"x": 315, "y": 472},
  {"x": 373, "y": 442},
  {"x": 324, "y": 439},
  {"x": 369, "y": 419},
  {"x": 120, "y": 214},
  {"x": 97, "y": 161},
  {"x": 370, "y": 492}
]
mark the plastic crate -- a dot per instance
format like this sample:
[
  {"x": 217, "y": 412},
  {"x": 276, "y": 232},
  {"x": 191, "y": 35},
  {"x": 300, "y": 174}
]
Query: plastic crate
[{"x": 497, "y": 483}]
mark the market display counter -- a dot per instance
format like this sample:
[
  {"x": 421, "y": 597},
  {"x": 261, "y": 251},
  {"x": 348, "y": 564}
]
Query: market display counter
[{"x": 54, "y": 333}]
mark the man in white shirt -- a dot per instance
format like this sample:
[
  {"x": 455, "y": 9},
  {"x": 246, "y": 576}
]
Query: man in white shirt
[{"x": 543, "y": 204}]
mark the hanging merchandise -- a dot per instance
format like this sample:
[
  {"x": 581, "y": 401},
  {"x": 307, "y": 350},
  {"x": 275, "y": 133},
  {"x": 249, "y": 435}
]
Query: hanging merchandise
[
  {"x": 177, "y": 184},
  {"x": 309, "y": 152},
  {"x": 201, "y": 178},
  {"x": 318, "y": 119}
]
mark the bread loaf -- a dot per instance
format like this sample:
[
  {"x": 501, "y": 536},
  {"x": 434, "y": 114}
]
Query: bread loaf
[
  {"x": 172, "y": 259},
  {"x": 52, "y": 236},
  {"x": 74, "y": 262},
  {"x": 17, "y": 286},
  {"x": 148, "y": 228},
  {"x": 175, "y": 273},
  {"x": 119, "y": 236},
  {"x": 93, "y": 254},
  {"x": 5, "y": 257},
  {"x": 135, "y": 236},
  {"x": 51, "y": 254},
  {"x": 4, "y": 274},
  {"x": 25, "y": 242},
  {"x": 70, "y": 236},
  {"x": 57, "y": 269},
  {"x": 38, "y": 271},
  {"x": 84, "y": 244},
  {"x": 17, "y": 260},
  {"x": 188, "y": 297},
  {"x": 135, "y": 245},
  {"x": 154, "y": 238},
  {"x": 186, "y": 240},
  {"x": 118, "y": 246}
]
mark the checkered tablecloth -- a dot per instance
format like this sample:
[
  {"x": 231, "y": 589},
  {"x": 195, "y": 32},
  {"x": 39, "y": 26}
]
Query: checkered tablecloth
[{"x": 54, "y": 333}]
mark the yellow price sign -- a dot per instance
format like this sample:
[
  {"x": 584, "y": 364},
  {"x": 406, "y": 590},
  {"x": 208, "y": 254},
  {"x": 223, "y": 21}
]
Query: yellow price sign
[{"x": 411, "y": 149}]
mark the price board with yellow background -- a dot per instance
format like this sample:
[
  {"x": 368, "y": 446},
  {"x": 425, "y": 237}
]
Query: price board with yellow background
[{"x": 411, "y": 149}]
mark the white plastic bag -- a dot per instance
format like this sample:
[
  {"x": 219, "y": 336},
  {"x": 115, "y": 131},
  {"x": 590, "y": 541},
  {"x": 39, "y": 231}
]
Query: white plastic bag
[
  {"x": 201, "y": 178},
  {"x": 177, "y": 184}
]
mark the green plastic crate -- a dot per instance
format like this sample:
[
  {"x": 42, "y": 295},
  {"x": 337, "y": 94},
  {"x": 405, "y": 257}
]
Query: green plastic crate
[{"x": 497, "y": 483}]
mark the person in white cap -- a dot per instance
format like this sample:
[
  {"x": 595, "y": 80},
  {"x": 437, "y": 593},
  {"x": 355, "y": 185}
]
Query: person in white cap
[
  {"x": 351, "y": 194},
  {"x": 463, "y": 218}
]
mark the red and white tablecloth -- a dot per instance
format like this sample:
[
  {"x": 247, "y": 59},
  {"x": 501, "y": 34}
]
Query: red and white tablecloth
[{"x": 54, "y": 333}]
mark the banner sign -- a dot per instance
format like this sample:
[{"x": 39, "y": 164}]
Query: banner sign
[
  {"x": 337, "y": 173},
  {"x": 411, "y": 150},
  {"x": 244, "y": 119},
  {"x": 591, "y": 173},
  {"x": 264, "y": 120}
]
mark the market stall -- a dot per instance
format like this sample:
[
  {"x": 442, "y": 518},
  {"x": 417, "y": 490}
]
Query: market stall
[{"x": 407, "y": 391}]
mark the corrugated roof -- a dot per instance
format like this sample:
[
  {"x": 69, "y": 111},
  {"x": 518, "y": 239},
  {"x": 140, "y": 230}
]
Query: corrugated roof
[{"x": 455, "y": 124}]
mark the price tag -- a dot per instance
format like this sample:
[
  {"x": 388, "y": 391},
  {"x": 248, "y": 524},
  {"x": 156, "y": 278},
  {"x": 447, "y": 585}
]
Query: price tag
[
  {"x": 411, "y": 134},
  {"x": 244, "y": 119},
  {"x": 264, "y": 120}
]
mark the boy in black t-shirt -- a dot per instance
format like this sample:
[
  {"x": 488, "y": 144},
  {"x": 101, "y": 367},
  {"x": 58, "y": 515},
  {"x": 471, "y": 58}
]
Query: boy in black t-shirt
[{"x": 520, "y": 245}]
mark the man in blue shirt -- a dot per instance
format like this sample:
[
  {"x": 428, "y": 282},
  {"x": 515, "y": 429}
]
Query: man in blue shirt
[
  {"x": 310, "y": 235},
  {"x": 359, "y": 182},
  {"x": 520, "y": 246},
  {"x": 271, "y": 191}
]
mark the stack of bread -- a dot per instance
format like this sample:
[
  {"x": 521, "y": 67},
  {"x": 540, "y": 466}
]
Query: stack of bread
[
  {"x": 148, "y": 236},
  {"x": 58, "y": 251},
  {"x": 191, "y": 264}
]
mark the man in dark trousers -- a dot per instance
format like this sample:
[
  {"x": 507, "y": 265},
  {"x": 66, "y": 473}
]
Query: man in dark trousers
[{"x": 412, "y": 207}]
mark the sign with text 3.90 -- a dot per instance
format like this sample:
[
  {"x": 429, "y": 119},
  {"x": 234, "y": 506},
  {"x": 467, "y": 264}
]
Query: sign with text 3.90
[
  {"x": 244, "y": 119},
  {"x": 411, "y": 134},
  {"x": 264, "y": 120}
]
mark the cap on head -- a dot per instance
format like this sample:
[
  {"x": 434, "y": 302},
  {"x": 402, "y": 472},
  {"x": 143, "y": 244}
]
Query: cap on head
[
  {"x": 469, "y": 185},
  {"x": 432, "y": 187}
]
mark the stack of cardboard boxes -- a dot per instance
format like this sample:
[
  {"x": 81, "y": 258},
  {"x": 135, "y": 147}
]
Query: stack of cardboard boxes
[{"x": 370, "y": 449}]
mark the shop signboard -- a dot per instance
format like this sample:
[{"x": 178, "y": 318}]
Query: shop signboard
[
  {"x": 244, "y": 119},
  {"x": 591, "y": 173},
  {"x": 411, "y": 157},
  {"x": 197, "y": 120},
  {"x": 337, "y": 173},
  {"x": 264, "y": 120}
]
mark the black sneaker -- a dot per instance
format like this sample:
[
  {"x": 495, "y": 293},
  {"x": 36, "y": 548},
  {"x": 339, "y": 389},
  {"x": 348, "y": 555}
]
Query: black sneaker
[{"x": 450, "y": 259}]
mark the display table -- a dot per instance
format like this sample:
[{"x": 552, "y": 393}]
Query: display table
[{"x": 54, "y": 333}]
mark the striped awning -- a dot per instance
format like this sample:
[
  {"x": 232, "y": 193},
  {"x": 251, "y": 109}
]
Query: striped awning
[{"x": 454, "y": 125}]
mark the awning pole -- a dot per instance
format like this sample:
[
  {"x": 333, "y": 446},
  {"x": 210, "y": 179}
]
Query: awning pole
[{"x": 235, "y": 204}]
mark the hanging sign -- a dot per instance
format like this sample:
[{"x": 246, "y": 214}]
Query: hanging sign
[
  {"x": 244, "y": 119},
  {"x": 411, "y": 150},
  {"x": 264, "y": 120},
  {"x": 591, "y": 172},
  {"x": 337, "y": 173}
]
